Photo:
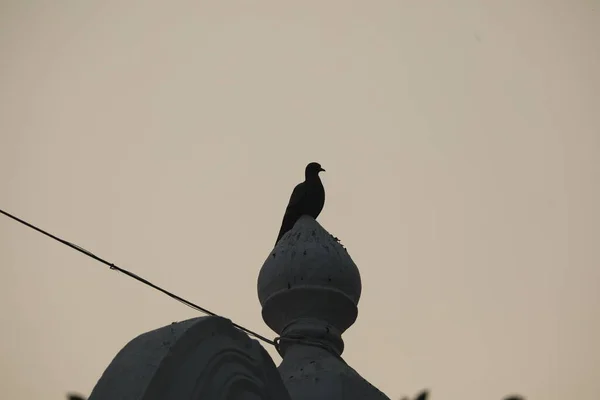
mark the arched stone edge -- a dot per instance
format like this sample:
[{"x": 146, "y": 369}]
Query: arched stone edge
[{"x": 202, "y": 358}]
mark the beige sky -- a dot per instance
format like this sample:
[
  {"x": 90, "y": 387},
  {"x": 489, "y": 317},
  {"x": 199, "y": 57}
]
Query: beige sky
[{"x": 461, "y": 141}]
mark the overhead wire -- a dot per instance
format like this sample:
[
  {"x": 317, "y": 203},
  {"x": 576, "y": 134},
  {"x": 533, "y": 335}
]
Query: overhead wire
[{"x": 136, "y": 277}]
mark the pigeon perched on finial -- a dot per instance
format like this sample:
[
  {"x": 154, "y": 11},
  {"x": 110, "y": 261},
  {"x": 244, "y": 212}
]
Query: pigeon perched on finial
[{"x": 307, "y": 198}]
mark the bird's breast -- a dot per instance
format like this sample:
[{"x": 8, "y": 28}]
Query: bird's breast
[{"x": 316, "y": 196}]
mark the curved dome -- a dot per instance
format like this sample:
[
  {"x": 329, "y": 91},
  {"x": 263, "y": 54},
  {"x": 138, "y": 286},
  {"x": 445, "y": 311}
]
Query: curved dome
[
  {"x": 309, "y": 274},
  {"x": 309, "y": 289}
]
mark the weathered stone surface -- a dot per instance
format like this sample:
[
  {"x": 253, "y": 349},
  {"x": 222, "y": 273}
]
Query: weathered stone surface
[
  {"x": 202, "y": 358},
  {"x": 311, "y": 373},
  {"x": 309, "y": 275},
  {"x": 309, "y": 289}
]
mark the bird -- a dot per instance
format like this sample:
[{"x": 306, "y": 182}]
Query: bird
[
  {"x": 308, "y": 198},
  {"x": 423, "y": 395},
  {"x": 72, "y": 396}
]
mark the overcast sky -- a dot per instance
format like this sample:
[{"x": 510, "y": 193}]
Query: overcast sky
[{"x": 462, "y": 148}]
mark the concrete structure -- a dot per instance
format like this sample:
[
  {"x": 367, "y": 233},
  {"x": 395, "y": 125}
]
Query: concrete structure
[
  {"x": 309, "y": 289},
  {"x": 202, "y": 358}
]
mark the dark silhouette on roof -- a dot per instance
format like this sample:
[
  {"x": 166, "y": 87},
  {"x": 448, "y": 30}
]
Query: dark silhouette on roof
[
  {"x": 307, "y": 198},
  {"x": 423, "y": 395}
]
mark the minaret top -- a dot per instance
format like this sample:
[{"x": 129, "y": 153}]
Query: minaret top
[
  {"x": 309, "y": 276},
  {"x": 309, "y": 289}
]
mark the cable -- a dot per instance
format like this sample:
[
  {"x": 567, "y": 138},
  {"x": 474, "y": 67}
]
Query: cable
[{"x": 134, "y": 276}]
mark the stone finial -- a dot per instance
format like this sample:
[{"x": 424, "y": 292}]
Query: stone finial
[
  {"x": 309, "y": 289},
  {"x": 309, "y": 286}
]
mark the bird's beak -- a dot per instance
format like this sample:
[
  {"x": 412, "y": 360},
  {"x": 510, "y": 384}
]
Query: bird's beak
[{"x": 321, "y": 170}]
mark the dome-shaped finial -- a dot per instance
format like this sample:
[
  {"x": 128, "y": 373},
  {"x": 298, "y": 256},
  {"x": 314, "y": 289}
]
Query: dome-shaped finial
[{"x": 309, "y": 287}]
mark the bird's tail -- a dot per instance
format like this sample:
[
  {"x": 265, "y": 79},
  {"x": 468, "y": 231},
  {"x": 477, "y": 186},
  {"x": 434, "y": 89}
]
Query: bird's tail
[
  {"x": 286, "y": 225},
  {"x": 280, "y": 235}
]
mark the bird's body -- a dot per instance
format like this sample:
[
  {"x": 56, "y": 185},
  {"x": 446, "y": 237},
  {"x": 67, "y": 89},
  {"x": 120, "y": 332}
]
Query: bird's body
[{"x": 307, "y": 198}]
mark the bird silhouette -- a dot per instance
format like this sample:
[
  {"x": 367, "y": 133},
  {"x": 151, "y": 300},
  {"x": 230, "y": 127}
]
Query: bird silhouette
[
  {"x": 307, "y": 198},
  {"x": 72, "y": 396},
  {"x": 423, "y": 395}
]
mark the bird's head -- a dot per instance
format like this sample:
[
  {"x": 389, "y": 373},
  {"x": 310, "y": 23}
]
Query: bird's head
[{"x": 312, "y": 170}]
